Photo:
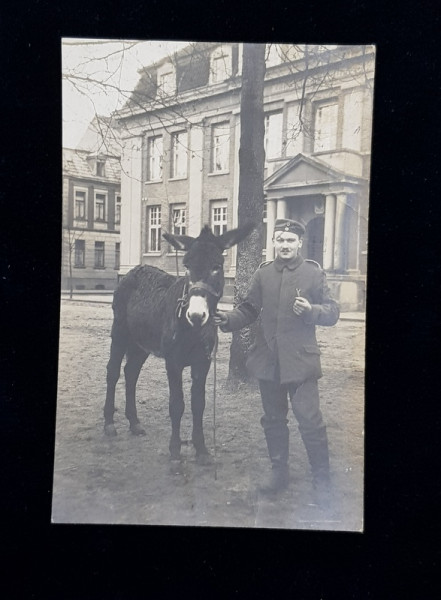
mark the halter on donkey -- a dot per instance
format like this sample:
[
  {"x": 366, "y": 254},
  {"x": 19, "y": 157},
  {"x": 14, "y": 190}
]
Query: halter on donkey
[{"x": 169, "y": 316}]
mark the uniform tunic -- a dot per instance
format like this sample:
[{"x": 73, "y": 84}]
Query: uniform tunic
[{"x": 285, "y": 348}]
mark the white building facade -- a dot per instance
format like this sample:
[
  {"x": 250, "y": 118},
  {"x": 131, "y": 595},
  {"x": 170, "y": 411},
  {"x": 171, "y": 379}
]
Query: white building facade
[{"x": 180, "y": 166}]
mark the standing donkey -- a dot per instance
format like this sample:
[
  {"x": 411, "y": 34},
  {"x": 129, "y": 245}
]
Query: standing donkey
[{"x": 171, "y": 317}]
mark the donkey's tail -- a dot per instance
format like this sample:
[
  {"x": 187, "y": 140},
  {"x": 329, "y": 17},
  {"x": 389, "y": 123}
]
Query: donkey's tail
[{"x": 121, "y": 297}]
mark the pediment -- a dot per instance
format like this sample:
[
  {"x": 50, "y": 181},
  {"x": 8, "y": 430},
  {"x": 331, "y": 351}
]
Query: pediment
[{"x": 302, "y": 170}]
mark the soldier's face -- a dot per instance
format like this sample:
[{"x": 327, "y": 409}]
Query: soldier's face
[{"x": 286, "y": 244}]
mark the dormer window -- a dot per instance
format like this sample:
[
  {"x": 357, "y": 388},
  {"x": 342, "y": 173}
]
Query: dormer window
[
  {"x": 221, "y": 64},
  {"x": 166, "y": 80},
  {"x": 100, "y": 168}
]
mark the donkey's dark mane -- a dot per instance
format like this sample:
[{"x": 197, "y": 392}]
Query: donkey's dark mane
[{"x": 145, "y": 315}]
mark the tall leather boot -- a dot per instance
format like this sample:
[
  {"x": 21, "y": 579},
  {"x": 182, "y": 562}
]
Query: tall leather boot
[
  {"x": 316, "y": 444},
  {"x": 277, "y": 440}
]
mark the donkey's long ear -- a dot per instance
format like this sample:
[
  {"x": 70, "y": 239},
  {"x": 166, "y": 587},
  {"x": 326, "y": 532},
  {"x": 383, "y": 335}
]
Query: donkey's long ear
[
  {"x": 180, "y": 242},
  {"x": 233, "y": 237}
]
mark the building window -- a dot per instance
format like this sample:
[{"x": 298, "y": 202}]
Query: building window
[
  {"x": 179, "y": 220},
  {"x": 117, "y": 210},
  {"x": 166, "y": 80},
  {"x": 117, "y": 255},
  {"x": 80, "y": 205},
  {"x": 80, "y": 253},
  {"x": 219, "y": 216},
  {"x": 154, "y": 158},
  {"x": 99, "y": 255},
  {"x": 100, "y": 168},
  {"x": 325, "y": 127},
  {"x": 100, "y": 206},
  {"x": 220, "y": 147},
  {"x": 273, "y": 135},
  {"x": 153, "y": 229},
  {"x": 221, "y": 64},
  {"x": 179, "y": 154}
]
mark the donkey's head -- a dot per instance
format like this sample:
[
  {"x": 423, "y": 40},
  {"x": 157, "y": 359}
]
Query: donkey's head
[{"x": 205, "y": 268}]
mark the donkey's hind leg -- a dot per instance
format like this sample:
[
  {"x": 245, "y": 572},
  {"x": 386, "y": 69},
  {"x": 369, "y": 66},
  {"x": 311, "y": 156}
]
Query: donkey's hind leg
[
  {"x": 136, "y": 357},
  {"x": 117, "y": 351}
]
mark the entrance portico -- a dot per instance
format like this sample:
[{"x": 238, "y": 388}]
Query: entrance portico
[{"x": 332, "y": 206}]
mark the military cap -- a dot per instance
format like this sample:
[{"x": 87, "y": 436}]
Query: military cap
[{"x": 289, "y": 225}]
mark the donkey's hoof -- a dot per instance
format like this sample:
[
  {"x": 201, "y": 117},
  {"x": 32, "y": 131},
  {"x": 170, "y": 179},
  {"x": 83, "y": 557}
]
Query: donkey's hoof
[
  {"x": 204, "y": 458},
  {"x": 136, "y": 429},
  {"x": 175, "y": 454},
  {"x": 109, "y": 429}
]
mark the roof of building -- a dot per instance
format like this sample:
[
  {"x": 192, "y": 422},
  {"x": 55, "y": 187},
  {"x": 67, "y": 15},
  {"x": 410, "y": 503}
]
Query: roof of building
[
  {"x": 102, "y": 137},
  {"x": 82, "y": 165},
  {"x": 192, "y": 64},
  {"x": 192, "y": 69}
]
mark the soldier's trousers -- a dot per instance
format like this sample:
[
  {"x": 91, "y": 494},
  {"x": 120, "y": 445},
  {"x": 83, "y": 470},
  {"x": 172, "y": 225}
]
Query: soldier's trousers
[{"x": 305, "y": 404}]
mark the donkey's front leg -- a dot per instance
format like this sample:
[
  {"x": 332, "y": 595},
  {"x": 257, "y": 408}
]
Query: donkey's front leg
[
  {"x": 135, "y": 359},
  {"x": 199, "y": 376},
  {"x": 176, "y": 407}
]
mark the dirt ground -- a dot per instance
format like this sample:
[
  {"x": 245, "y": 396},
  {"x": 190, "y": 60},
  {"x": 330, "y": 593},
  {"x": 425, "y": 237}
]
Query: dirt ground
[{"x": 131, "y": 480}]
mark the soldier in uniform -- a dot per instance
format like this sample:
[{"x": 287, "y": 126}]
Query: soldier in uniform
[{"x": 291, "y": 297}]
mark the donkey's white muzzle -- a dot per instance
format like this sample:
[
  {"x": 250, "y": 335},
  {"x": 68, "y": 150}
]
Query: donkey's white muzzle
[{"x": 197, "y": 311}]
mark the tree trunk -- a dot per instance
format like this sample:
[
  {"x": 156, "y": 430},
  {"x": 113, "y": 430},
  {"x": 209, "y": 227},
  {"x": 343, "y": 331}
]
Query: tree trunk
[{"x": 251, "y": 199}]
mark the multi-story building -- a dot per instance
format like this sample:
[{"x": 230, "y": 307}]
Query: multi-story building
[
  {"x": 92, "y": 211},
  {"x": 180, "y": 163}
]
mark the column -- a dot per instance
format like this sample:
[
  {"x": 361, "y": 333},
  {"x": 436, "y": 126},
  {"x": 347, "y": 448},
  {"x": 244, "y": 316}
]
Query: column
[
  {"x": 281, "y": 209},
  {"x": 352, "y": 232},
  {"x": 328, "y": 237},
  {"x": 270, "y": 220},
  {"x": 340, "y": 241},
  {"x": 131, "y": 202},
  {"x": 358, "y": 250},
  {"x": 194, "y": 206}
]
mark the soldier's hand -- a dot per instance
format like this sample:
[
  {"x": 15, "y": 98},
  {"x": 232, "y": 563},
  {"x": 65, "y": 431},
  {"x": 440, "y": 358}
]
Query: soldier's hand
[
  {"x": 220, "y": 318},
  {"x": 301, "y": 306}
]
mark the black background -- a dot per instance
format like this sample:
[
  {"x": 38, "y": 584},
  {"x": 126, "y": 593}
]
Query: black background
[{"x": 396, "y": 556}]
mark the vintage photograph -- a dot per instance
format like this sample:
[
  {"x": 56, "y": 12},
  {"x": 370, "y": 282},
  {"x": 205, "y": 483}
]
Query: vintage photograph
[{"x": 213, "y": 290}]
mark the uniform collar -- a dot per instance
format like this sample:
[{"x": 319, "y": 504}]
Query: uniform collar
[{"x": 292, "y": 264}]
